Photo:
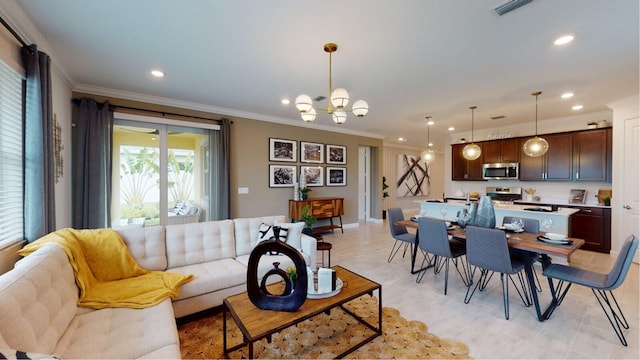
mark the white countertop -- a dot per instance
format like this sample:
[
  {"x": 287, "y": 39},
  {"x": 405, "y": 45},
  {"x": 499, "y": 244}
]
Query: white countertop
[{"x": 559, "y": 218}]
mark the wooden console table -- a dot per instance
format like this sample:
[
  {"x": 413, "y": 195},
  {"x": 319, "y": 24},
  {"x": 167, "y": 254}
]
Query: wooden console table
[{"x": 321, "y": 208}]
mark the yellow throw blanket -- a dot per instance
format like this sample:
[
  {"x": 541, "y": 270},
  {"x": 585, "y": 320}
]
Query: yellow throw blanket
[{"x": 106, "y": 273}]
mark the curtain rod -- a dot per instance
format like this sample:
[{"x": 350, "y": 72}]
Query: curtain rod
[
  {"x": 114, "y": 107},
  {"x": 15, "y": 34}
]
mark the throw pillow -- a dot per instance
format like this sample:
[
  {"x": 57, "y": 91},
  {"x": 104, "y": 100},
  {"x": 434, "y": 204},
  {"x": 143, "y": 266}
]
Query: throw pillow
[
  {"x": 294, "y": 233},
  {"x": 266, "y": 233},
  {"x": 184, "y": 210}
]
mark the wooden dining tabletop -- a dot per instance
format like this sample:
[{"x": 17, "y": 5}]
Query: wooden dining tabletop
[{"x": 523, "y": 241}]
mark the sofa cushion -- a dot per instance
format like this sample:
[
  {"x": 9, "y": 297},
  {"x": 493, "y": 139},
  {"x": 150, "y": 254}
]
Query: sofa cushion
[
  {"x": 121, "y": 333},
  {"x": 147, "y": 246},
  {"x": 38, "y": 301},
  {"x": 246, "y": 231},
  {"x": 294, "y": 232},
  {"x": 211, "y": 276},
  {"x": 196, "y": 243}
]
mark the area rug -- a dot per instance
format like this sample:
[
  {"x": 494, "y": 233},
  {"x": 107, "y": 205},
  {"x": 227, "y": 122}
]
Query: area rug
[{"x": 324, "y": 336}]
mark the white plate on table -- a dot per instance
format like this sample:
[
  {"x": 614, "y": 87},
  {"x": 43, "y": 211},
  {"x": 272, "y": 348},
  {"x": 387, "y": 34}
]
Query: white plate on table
[
  {"x": 510, "y": 229},
  {"x": 316, "y": 295},
  {"x": 555, "y": 242}
]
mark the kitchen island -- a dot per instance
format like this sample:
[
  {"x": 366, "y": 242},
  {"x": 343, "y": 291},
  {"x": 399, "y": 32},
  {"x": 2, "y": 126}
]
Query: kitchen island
[{"x": 560, "y": 218}]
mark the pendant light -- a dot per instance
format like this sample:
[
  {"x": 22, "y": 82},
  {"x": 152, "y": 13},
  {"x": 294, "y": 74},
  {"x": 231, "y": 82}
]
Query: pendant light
[
  {"x": 428, "y": 155},
  {"x": 536, "y": 146},
  {"x": 471, "y": 151}
]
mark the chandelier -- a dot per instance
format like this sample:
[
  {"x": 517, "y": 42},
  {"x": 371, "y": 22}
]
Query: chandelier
[
  {"x": 471, "y": 151},
  {"x": 428, "y": 155},
  {"x": 536, "y": 146},
  {"x": 338, "y": 100}
]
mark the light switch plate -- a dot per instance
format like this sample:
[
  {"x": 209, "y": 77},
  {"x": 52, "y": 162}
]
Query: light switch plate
[{"x": 243, "y": 190}]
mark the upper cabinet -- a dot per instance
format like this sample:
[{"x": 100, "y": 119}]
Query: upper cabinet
[
  {"x": 463, "y": 169},
  {"x": 555, "y": 165},
  {"x": 572, "y": 156},
  {"x": 500, "y": 151},
  {"x": 592, "y": 155}
]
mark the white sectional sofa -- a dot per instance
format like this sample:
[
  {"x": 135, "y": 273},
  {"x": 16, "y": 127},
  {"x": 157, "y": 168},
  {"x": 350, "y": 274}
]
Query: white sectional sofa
[{"x": 38, "y": 298}]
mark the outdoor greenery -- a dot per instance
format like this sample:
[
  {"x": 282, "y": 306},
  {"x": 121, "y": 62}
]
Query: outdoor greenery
[{"x": 139, "y": 174}]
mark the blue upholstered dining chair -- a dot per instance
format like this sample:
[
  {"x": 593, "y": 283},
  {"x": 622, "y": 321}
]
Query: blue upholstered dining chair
[
  {"x": 602, "y": 285},
  {"x": 433, "y": 239},
  {"x": 488, "y": 250},
  {"x": 399, "y": 233}
]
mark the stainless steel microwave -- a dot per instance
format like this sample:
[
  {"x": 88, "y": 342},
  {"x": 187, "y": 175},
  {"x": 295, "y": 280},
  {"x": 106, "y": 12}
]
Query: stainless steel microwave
[{"x": 500, "y": 171}]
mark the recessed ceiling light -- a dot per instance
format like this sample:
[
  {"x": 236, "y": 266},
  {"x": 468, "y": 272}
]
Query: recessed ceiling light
[
  {"x": 567, "y": 95},
  {"x": 285, "y": 101},
  {"x": 402, "y": 139},
  {"x": 563, "y": 40},
  {"x": 157, "y": 73},
  {"x": 451, "y": 128},
  {"x": 577, "y": 107}
]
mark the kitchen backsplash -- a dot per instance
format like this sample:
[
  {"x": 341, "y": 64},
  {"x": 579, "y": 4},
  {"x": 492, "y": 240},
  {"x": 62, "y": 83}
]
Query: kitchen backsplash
[{"x": 551, "y": 192}]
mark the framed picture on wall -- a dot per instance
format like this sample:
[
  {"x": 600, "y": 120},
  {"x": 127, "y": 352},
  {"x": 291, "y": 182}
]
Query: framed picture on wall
[
  {"x": 313, "y": 175},
  {"x": 311, "y": 152},
  {"x": 282, "y": 175},
  {"x": 282, "y": 150},
  {"x": 336, "y": 154},
  {"x": 336, "y": 176}
]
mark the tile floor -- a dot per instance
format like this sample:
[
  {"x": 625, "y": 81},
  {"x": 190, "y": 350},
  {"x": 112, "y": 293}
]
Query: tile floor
[{"x": 578, "y": 329}]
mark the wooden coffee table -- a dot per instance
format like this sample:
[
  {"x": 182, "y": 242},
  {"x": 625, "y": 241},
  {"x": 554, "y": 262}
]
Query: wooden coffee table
[{"x": 256, "y": 324}]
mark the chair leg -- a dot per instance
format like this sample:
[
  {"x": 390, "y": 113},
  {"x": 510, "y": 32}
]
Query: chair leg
[
  {"x": 615, "y": 316},
  {"x": 505, "y": 294},
  {"x": 425, "y": 259},
  {"x": 394, "y": 250},
  {"x": 465, "y": 274},
  {"x": 524, "y": 295},
  {"x": 469, "y": 294}
]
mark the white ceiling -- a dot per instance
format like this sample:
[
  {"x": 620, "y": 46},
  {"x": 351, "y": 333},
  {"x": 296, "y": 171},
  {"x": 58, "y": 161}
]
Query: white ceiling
[{"x": 406, "y": 58}]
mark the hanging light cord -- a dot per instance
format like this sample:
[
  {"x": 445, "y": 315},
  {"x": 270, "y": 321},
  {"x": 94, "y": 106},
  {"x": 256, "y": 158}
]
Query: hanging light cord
[
  {"x": 472, "y": 111},
  {"x": 536, "y": 93}
]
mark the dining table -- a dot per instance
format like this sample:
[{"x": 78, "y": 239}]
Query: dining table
[{"x": 516, "y": 240}]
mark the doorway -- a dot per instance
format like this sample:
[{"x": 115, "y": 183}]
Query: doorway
[{"x": 161, "y": 173}]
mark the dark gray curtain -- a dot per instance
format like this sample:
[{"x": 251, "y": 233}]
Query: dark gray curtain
[
  {"x": 92, "y": 148},
  {"x": 221, "y": 178},
  {"x": 39, "y": 181}
]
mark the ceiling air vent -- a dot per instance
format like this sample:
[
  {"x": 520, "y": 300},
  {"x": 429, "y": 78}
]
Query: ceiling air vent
[{"x": 509, "y": 5}]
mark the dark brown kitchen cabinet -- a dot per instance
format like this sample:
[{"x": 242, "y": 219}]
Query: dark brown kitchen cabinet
[
  {"x": 592, "y": 224},
  {"x": 592, "y": 155},
  {"x": 500, "y": 151},
  {"x": 463, "y": 169},
  {"x": 556, "y": 164}
]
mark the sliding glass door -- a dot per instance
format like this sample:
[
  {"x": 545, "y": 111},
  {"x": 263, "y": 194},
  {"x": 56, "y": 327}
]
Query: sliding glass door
[{"x": 161, "y": 174}]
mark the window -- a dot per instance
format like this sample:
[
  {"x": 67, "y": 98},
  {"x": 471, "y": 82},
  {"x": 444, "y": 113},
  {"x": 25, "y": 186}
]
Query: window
[
  {"x": 160, "y": 171},
  {"x": 11, "y": 192}
]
